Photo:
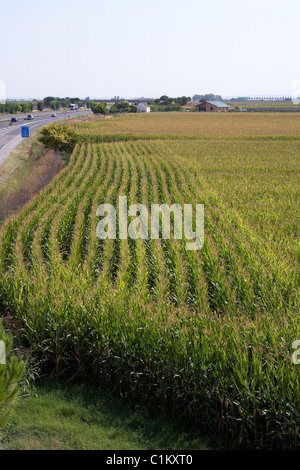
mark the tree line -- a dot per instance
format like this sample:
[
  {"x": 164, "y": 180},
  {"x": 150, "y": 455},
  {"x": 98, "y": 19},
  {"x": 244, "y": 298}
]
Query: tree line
[
  {"x": 121, "y": 107},
  {"x": 54, "y": 103},
  {"x": 207, "y": 97},
  {"x": 57, "y": 103},
  {"x": 164, "y": 103},
  {"x": 13, "y": 107},
  {"x": 165, "y": 100}
]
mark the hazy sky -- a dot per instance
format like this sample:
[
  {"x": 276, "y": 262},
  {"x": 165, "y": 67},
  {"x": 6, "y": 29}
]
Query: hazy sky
[{"x": 131, "y": 48}]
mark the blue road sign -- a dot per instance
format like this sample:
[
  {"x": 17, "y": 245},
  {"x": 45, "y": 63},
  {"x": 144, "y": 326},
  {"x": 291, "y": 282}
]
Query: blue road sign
[{"x": 25, "y": 131}]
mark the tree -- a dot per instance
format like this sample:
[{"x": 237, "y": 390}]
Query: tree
[
  {"x": 40, "y": 105},
  {"x": 207, "y": 97},
  {"x": 99, "y": 108},
  {"x": 48, "y": 100},
  {"x": 89, "y": 103},
  {"x": 182, "y": 100},
  {"x": 164, "y": 99},
  {"x": 122, "y": 107},
  {"x": 54, "y": 104},
  {"x": 25, "y": 107},
  {"x": 59, "y": 137},
  {"x": 132, "y": 108}
]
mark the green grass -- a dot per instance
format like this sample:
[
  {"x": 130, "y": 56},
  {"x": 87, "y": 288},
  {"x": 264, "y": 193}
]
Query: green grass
[{"x": 80, "y": 417}]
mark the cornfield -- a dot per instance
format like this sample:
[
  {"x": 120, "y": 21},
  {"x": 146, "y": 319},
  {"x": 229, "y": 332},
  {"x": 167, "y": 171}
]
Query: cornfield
[{"x": 204, "y": 335}]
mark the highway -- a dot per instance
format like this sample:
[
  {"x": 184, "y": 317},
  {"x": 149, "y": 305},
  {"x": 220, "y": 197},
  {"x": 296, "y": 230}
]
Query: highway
[{"x": 10, "y": 136}]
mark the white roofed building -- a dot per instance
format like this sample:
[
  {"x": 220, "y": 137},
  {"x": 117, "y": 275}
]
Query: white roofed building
[{"x": 142, "y": 108}]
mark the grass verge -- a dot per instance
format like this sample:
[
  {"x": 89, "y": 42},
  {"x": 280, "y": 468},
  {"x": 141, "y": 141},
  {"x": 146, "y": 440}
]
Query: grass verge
[
  {"x": 26, "y": 171},
  {"x": 80, "y": 417}
]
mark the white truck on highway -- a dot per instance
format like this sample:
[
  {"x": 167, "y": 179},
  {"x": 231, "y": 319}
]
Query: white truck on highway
[{"x": 74, "y": 106}]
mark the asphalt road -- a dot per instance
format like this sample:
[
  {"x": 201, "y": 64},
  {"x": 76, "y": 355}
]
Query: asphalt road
[{"x": 10, "y": 136}]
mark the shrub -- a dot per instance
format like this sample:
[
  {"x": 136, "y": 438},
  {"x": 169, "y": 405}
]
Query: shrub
[
  {"x": 58, "y": 137},
  {"x": 99, "y": 108},
  {"x": 10, "y": 375}
]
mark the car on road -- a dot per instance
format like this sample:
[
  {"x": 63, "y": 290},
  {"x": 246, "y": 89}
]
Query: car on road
[
  {"x": 14, "y": 119},
  {"x": 53, "y": 115},
  {"x": 29, "y": 117}
]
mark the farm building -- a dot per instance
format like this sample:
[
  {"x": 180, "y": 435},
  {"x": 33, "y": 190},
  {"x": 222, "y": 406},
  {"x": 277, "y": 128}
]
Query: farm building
[
  {"x": 211, "y": 106},
  {"x": 192, "y": 103},
  {"x": 142, "y": 108}
]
